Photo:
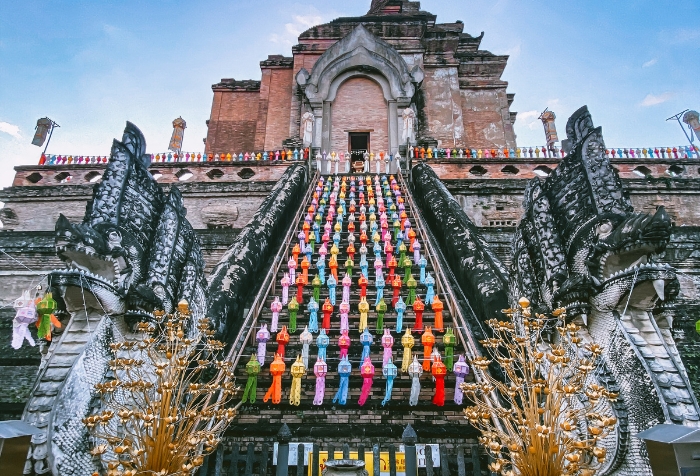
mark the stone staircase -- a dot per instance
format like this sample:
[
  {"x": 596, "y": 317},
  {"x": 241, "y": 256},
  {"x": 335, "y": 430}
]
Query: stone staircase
[{"x": 372, "y": 418}]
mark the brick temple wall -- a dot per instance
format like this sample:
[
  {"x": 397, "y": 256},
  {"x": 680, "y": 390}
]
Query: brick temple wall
[
  {"x": 274, "y": 109},
  {"x": 360, "y": 106},
  {"x": 443, "y": 107},
  {"x": 233, "y": 122}
]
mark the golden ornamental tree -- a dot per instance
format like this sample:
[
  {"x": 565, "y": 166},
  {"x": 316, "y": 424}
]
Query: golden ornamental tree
[
  {"x": 543, "y": 418},
  {"x": 168, "y": 403}
]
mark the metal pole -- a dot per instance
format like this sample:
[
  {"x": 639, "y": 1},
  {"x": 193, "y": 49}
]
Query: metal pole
[
  {"x": 283, "y": 438},
  {"x": 53, "y": 125},
  {"x": 677, "y": 117},
  {"x": 410, "y": 438}
]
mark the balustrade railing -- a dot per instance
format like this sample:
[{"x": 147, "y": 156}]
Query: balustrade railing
[{"x": 422, "y": 153}]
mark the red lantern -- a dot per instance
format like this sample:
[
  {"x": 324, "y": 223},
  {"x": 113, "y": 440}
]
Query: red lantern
[
  {"x": 327, "y": 309},
  {"x": 282, "y": 340},
  {"x": 439, "y": 371},
  {"x": 418, "y": 308}
]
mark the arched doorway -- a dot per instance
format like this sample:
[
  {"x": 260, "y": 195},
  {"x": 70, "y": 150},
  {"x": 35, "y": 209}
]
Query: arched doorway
[
  {"x": 359, "y": 114},
  {"x": 358, "y": 62}
]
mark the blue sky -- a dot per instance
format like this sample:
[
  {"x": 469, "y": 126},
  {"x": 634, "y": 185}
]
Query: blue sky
[{"x": 92, "y": 65}]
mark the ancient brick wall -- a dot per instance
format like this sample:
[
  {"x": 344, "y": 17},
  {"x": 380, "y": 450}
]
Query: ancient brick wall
[
  {"x": 360, "y": 106},
  {"x": 233, "y": 122},
  {"x": 443, "y": 107},
  {"x": 483, "y": 110},
  {"x": 275, "y": 102}
]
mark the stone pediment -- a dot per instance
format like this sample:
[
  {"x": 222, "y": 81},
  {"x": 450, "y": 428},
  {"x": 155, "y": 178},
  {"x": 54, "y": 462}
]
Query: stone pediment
[{"x": 359, "y": 51}]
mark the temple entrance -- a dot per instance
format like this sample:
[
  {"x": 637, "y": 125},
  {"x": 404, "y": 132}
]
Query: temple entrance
[{"x": 358, "y": 144}]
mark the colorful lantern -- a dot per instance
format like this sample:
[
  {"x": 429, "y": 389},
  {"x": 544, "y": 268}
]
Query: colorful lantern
[
  {"x": 363, "y": 307},
  {"x": 411, "y": 284},
  {"x": 332, "y": 283},
  {"x": 389, "y": 371},
  {"x": 321, "y": 265},
  {"x": 316, "y": 283},
  {"x": 418, "y": 308},
  {"x": 344, "y": 371},
  {"x": 306, "y": 339},
  {"x": 26, "y": 314},
  {"x": 327, "y": 310},
  {"x": 381, "y": 310},
  {"x": 400, "y": 308},
  {"x": 305, "y": 263},
  {"x": 414, "y": 371},
  {"x": 282, "y": 339},
  {"x": 460, "y": 369},
  {"x": 449, "y": 340},
  {"x": 277, "y": 368},
  {"x": 344, "y": 343},
  {"x": 347, "y": 282},
  {"x": 362, "y": 282},
  {"x": 275, "y": 307},
  {"x": 422, "y": 262},
  {"x": 312, "y": 307},
  {"x": 286, "y": 282},
  {"x": 430, "y": 293},
  {"x": 387, "y": 343},
  {"x": 262, "y": 336},
  {"x": 45, "y": 309},
  {"x": 252, "y": 368},
  {"x": 439, "y": 371},
  {"x": 293, "y": 308},
  {"x": 292, "y": 267},
  {"x": 428, "y": 341},
  {"x": 298, "y": 370},
  {"x": 437, "y": 309},
  {"x": 322, "y": 342},
  {"x": 367, "y": 373},
  {"x": 320, "y": 370},
  {"x": 300, "y": 290},
  {"x": 408, "y": 342},
  {"x": 366, "y": 339},
  {"x": 396, "y": 285}
]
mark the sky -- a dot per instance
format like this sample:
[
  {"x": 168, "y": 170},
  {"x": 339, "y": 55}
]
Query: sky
[{"x": 92, "y": 65}]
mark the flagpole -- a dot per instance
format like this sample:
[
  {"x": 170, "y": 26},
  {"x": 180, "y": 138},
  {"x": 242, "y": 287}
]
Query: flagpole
[{"x": 53, "y": 125}]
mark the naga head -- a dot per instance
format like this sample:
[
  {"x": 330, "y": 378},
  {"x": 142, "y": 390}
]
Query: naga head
[
  {"x": 134, "y": 250},
  {"x": 580, "y": 243}
]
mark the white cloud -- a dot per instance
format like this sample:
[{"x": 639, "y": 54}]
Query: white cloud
[
  {"x": 685, "y": 35},
  {"x": 300, "y": 24},
  {"x": 650, "y": 63},
  {"x": 11, "y": 129},
  {"x": 529, "y": 119},
  {"x": 654, "y": 100}
]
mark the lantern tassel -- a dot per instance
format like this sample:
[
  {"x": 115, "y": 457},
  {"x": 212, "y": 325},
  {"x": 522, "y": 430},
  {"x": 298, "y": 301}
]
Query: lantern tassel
[
  {"x": 439, "y": 397},
  {"x": 320, "y": 390},
  {"x": 251, "y": 388},
  {"x": 366, "y": 388}
]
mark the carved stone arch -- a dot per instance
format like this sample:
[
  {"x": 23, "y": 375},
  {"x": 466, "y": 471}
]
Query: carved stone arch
[
  {"x": 359, "y": 50},
  {"x": 359, "y": 54}
]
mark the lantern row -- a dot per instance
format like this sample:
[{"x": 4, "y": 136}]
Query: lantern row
[
  {"x": 308, "y": 236},
  {"x": 680, "y": 152}
]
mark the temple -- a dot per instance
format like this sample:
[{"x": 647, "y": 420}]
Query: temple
[
  {"x": 356, "y": 218},
  {"x": 364, "y": 82}
]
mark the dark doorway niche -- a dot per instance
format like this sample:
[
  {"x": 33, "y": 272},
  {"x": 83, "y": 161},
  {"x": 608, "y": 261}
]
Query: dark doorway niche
[{"x": 358, "y": 144}]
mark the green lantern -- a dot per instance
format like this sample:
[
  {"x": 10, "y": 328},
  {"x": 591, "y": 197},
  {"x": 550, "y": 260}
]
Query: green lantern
[
  {"x": 381, "y": 309},
  {"x": 411, "y": 284},
  {"x": 316, "y": 283},
  {"x": 293, "y": 308},
  {"x": 251, "y": 386},
  {"x": 46, "y": 307},
  {"x": 449, "y": 340}
]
